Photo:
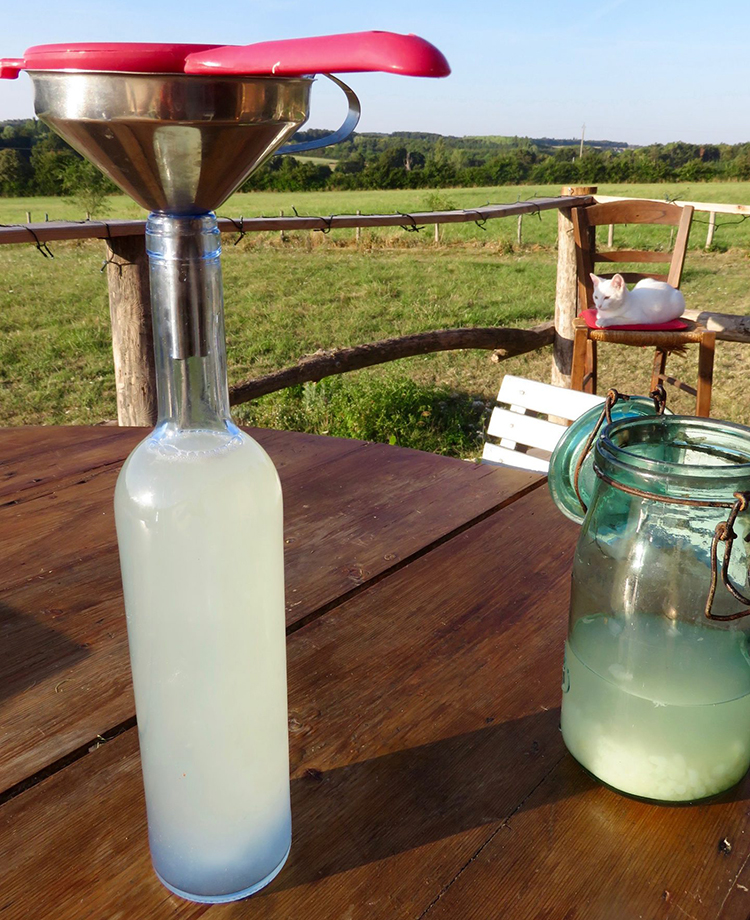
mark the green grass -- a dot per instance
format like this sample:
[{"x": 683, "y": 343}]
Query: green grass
[
  {"x": 287, "y": 299},
  {"x": 538, "y": 230},
  {"x": 320, "y": 161}
]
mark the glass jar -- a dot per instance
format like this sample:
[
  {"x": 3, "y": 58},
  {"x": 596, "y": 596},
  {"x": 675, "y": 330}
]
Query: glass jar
[{"x": 656, "y": 682}]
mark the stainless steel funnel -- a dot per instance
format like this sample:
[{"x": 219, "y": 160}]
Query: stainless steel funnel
[
  {"x": 179, "y": 127},
  {"x": 175, "y": 143}
]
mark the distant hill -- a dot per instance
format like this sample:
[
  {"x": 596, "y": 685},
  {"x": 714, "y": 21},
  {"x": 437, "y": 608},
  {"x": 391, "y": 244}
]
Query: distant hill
[
  {"x": 34, "y": 161},
  {"x": 373, "y": 143}
]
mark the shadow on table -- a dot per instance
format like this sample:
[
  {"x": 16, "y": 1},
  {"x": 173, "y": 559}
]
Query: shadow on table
[
  {"x": 31, "y": 651},
  {"x": 369, "y": 811}
]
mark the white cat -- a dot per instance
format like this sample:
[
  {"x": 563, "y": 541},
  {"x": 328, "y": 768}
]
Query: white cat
[{"x": 649, "y": 302}]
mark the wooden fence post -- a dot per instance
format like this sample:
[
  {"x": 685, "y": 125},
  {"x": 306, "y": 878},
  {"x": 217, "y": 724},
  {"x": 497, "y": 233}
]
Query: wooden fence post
[
  {"x": 132, "y": 336},
  {"x": 566, "y": 291},
  {"x": 519, "y": 230},
  {"x": 711, "y": 229},
  {"x": 358, "y": 230},
  {"x": 611, "y": 236}
]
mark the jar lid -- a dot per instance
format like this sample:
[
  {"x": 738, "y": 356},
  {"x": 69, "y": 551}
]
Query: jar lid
[{"x": 562, "y": 468}]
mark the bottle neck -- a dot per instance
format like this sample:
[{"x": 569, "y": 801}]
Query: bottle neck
[{"x": 187, "y": 307}]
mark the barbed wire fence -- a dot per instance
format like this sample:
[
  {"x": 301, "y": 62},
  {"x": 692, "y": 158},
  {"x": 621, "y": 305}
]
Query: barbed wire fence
[{"x": 410, "y": 223}]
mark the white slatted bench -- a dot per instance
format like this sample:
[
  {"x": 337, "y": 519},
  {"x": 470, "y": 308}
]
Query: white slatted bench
[{"x": 514, "y": 432}]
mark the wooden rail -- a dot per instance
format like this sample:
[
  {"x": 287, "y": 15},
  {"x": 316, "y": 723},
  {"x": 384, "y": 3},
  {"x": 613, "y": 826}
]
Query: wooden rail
[
  {"x": 711, "y": 208},
  {"x": 705, "y": 207},
  {"x": 506, "y": 344},
  {"x": 130, "y": 306},
  {"x": 49, "y": 231}
]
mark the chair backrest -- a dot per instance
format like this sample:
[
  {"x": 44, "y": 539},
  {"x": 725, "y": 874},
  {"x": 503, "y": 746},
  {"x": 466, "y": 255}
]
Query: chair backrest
[
  {"x": 517, "y": 431},
  {"x": 633, "y": 211}
]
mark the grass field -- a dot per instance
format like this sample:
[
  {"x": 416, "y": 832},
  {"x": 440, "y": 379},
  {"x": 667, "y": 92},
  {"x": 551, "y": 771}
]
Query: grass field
[
  {"x": 286, "y": 299},
  {"x": 537, "y": 230}
]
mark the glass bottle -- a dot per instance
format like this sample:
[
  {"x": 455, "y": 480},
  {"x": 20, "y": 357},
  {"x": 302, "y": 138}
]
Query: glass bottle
[
  {"x": 198, "y": 510},
  {"x": 656, "y": 683}
]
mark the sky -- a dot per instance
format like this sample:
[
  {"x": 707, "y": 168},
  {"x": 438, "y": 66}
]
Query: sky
[{"x": 639, "y": 71}]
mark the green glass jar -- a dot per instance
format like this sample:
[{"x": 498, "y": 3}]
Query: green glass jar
[{"x": 656, "y": 683}]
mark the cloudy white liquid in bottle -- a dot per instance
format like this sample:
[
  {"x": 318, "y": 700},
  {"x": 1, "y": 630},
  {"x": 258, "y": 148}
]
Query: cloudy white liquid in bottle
[{"x": 199, "y": 526}]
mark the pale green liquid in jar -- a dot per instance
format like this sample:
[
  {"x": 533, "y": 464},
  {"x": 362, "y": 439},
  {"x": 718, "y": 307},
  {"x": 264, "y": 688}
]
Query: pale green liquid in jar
[
  {"x": 658, "y": 708},
  {"x": 199, "y": 527}
]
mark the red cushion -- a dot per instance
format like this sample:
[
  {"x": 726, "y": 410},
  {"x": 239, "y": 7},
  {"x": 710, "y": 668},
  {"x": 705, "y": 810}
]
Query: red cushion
[{"x": 674, "y": 325}]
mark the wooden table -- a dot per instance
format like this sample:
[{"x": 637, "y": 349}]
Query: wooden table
[{"x": 427, "y": 603}]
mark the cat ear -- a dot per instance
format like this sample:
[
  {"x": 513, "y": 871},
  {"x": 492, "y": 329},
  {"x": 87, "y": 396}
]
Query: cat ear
[
  {"x": 618, "y": 282},
  {"x": 594, "y": 278}
]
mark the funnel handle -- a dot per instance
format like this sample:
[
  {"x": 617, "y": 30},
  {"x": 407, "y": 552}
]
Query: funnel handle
[{"x": 350, "y": 123}]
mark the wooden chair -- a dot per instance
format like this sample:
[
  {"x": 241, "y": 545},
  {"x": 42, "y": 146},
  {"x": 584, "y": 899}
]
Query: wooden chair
[
  {"x": 518, "y": 431},
  {"x": 585, "y": 221}
]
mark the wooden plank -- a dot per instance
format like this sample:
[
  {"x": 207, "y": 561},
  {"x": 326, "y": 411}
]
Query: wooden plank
[
  {"x": 541, "y": 397},
  {"x": 633, "y": 277},
  {"x": 634, "y": 211},
  {"x": 43, "y": 535},
  {"x": 352, "y": 512},
  {"x": 379, "y": 506},
  {"x": 632, "y": 255},
  {"x": 33, "y": 459},
  {"x": 66, "y": 230},
  {"x": 422, "y": 713},
  {"x": 524, "y": 429},
  {"x": 75, "y": 521},
  {"x": 576, "y": 849},
  {"x": 728, "y": 328},
  {"x": 704, "y": 207},
  {"x": 680, "y": 247},
  {"x": 504, "y": 456}
]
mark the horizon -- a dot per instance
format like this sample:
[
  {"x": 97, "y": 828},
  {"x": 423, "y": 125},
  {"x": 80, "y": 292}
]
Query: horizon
[
  {"x": 560, "y": 141},
  {"x": 517, "y": 69}
]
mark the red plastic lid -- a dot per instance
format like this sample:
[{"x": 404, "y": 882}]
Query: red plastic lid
[
  {"x": 120, "y": 57},
  {"x": 674, "y": 325},
  {"x": 354, "y": 52},
  {"x": 358, "y": 51}
]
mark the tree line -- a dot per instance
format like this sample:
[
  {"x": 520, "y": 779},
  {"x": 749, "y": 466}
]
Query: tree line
[{"x": 35, "y": 161}]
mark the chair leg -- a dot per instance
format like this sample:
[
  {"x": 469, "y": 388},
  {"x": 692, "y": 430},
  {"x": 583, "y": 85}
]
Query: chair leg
[
  {"x": 578, "y": 370},
  {"x": 660, "y": 366},
  {"x": 593, "y": 362},
  {"x": 706, "y": 351}
]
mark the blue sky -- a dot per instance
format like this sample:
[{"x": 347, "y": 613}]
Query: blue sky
[{"x": 641, "y": 71}]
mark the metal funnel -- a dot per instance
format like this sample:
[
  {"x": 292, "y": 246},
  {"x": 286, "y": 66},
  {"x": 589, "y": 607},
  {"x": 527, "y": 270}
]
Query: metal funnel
[{"x": 175, "y": 143}]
